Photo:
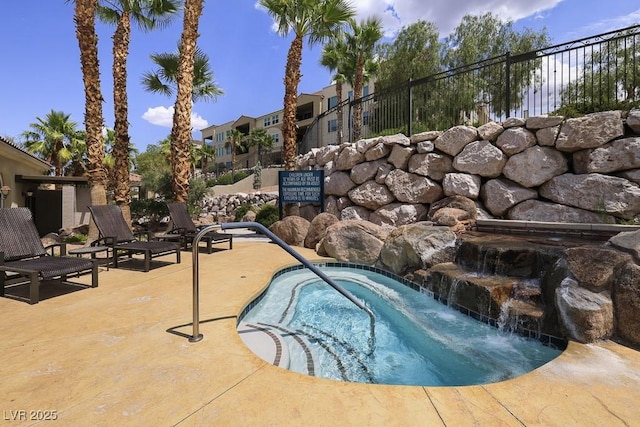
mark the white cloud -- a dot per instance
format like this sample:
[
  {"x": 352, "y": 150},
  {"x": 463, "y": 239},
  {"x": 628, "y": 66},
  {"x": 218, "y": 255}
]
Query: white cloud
[
  {"x": 163, "y": 116},
  {"x": 446, "y": 14}
]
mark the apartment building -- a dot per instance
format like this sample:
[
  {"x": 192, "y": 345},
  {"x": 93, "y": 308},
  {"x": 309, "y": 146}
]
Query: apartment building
[{"x": 310, "y": 106}]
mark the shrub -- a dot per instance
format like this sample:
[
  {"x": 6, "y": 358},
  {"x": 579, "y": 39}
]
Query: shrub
[
  {"x": 153, "y": 210},
  {"x": 267, "y": 215},
  {"x": 242, "y": 210},
  {"x": 75, "y": 238}
]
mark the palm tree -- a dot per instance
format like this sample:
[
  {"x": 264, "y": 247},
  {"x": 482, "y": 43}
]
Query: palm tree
[
  {"x": 181, "y": 130},
  {"x": 260, "y": 138},
  {"x": 235, "y": 142},
  {"x": 317, "y": 20},
  {"x": 361, "y": 42},
  {"x": 163, "y": 80},
  {"x": 334, "y": 57},
  {"x": 84, "y": 17},
  {"x": 53, "y": 139},
  {"x": 149, "y": 15},
  {"x": 207, "y": 152}
]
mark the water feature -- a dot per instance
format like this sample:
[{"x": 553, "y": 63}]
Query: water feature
[{"x": 418, "y": 340}]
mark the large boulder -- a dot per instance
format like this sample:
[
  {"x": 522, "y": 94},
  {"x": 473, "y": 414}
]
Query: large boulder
[
  {"x": 412, "y": 188},
  {"x": 500, "y": 195},
  {"x": 338, "y": 184},
  {"x": 318, "y": 229},
  {"x": 535, "y": 166},
  {"x": 452, "y": 141},
  {"x": 595, "y": 267},
  {"x": 348, "y": 158},
  {"x": 541, "y": 122},
  {"x": 536, "y": 210},
  {"x": 365, "y": 171},
  {"x": 584, "y": 315},
  {"x": 433, "y": 165},
  {"x": 291, "y": 229},
  {"x": 515, "y": 140},
  {"x": 626, "y": 300},
  {"x": 355, "y": 241},
  {"x": 371, "y": 195},
  {"x": 397, "y": 214},
  {"x": 461, "y": 184},
  {"x": 417, "y": 246},
  {"x": 480, "y": 158},
  {"x": 590, "y": 131},
  {"x": 355, "y": 212},
  {"x": 628, "y": 241},
  {"x": 619, "y": 155},
  {"x": 400, "y": 156},
  {"x": 595, "y": 192}
]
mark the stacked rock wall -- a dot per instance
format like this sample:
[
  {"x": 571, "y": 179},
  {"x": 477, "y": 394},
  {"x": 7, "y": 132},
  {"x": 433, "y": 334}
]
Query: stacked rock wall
[
  {"x": 584, "y": 170},
  {"x": 222, "y": 208}
]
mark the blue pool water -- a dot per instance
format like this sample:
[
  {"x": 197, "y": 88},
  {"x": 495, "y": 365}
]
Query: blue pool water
[{"x": 418, "y": 340}]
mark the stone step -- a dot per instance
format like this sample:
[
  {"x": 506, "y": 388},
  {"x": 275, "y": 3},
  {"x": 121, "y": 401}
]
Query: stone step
[
  {"x": 506, "y": 255},
  {"x": 484, "y": 294}
]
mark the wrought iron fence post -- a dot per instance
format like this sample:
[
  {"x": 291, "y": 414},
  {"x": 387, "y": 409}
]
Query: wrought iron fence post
[
  {"x": 507, "y": 87},
  {"x": 350, "y": 120},
  {"x": 409, "y": 107}
]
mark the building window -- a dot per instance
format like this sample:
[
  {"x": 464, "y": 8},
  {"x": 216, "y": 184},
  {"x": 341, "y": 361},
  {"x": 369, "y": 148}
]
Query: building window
[
  {"x": 365, "y": 90},
  {"x": 332, "y": 102},
  {"x": 350, "y": 94},
  {"x": 267, "y": 121},
  {"x": 219, "y": 137},
  {"x": 275, "y": 119},
  {"x": 276, "y": 138},
  {"x": 333, "y": 125}
]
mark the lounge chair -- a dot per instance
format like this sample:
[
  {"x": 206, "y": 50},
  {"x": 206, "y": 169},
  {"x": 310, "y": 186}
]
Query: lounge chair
[
  {"x": 184, "y": 227},
  {"x": 116, "y": 234},
  {"x": 23, "y": 255}
]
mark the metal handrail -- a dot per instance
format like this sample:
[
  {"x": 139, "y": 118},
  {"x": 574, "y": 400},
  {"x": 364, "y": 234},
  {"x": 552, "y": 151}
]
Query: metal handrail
[{"x": 197, "y": 336}]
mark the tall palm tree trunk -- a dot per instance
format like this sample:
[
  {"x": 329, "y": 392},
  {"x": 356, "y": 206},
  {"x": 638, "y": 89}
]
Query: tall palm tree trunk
[
  {"x": 339, "y": 111},
  {"x": 181, "y": 131},
  {"x": 357, "y": 93},
  {"x": 291, "y": 81},
  {"x": 121, "y": 39},
  {"x": 88, "y": 43},
  {"x": 289, "y": 126}
]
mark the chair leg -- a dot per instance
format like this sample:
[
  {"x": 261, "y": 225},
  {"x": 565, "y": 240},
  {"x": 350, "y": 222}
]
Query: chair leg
[
  {"x": 94, "y": 274},
  {"x": 178, "y": 256},
  {"x": 34, "y": 288},
  {"x": 147, "y": 261},
  {"x": 3, "y": 277},
  {"x": 209, "y": 242},
  {"x": 230, "y": 242}
]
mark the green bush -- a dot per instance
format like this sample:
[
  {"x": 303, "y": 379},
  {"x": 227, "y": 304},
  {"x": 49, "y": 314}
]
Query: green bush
[
  {"x": 267, "y": 215},
  {"x": 75, "y": 238},
  {"x": 242, "y": 210},
  {"x": 197, "y": 191},
  {"x": 152, "y": 209}
]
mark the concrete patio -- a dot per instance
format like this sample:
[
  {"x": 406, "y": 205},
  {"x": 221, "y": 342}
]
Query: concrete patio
[{"x": 119, "y": 355}]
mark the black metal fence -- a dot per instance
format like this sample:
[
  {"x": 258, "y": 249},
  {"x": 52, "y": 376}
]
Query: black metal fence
[{"x": 591, "y": 74}]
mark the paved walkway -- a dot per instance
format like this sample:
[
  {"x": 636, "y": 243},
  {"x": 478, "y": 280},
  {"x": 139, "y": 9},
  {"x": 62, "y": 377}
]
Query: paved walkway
[{"x": 118, "y": 355}]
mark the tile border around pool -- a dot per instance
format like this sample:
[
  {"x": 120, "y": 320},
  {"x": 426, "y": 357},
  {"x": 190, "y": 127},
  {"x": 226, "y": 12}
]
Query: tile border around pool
[{"x": 545, "y": 339}]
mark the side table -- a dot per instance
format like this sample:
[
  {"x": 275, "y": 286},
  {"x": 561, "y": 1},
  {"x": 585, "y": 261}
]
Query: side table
[{"x": 93, "y": 251}]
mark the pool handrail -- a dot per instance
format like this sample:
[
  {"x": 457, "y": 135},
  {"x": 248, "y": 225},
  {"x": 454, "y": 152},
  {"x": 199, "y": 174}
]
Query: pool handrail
[{"x": 196, "y": 335}]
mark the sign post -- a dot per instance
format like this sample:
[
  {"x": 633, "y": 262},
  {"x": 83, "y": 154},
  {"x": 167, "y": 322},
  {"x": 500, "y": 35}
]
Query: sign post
[{"x": 300, "y": 187}]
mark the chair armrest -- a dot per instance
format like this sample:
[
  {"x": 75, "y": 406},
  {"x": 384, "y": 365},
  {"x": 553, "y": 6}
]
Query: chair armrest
[
  {"x": 104, "y": 241},
  {"x": 51, "y": 248}
]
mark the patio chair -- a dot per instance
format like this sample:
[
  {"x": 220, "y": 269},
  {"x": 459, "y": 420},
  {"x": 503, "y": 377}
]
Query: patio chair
[
  {"x": 116, "y": 234},
  {"x": 184, "y": 227},
  {"x": 22, "y": 254}
]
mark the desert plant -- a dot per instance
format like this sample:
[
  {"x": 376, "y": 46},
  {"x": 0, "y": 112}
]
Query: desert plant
[
  {"x": 242, "y": 210},
  {"x": 267, "y": 215}
]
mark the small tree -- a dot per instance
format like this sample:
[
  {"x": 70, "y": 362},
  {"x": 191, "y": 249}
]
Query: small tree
[{"x": 257, "y": 176}]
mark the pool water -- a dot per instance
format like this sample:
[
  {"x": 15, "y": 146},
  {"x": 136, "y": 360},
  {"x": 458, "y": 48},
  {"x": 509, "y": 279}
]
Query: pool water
[{"x": 417, "y": 340}]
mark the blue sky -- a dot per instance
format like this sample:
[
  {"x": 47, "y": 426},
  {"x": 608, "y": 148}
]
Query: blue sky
[{"x": 41, "y": 70}]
